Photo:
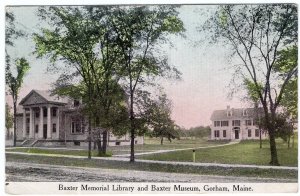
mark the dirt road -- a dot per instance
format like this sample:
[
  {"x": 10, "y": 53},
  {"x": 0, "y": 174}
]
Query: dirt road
[{"x": 30, "y": 172}]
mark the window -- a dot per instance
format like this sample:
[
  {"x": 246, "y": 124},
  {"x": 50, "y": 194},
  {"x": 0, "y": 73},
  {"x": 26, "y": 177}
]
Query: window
[
  {"x": 224, "y": 123},
  {"x": 249, "y": 132},
  {"x": 77, "y": 127},
  {"x": 76, "y": 103},
  {"x": 45, "y": 112},
  {"x": 36, "y": 128},
  {"x": 224, "y": 133},
  {"x": 236, "y": 123},
  {"x": 248, "y": 122},
  {"x": 229, "y": 113},
  {"x": 54, "y": 127},
  {"x": 27, "y": 130},
  {"x": 76, "y": 143},
  {"x": 37, "y": 114},
  {"x": 118, "y": 143},
  {"x": 54, "y": 112},
  {"x": 255, "y": 122},
  {"x": 245, "y": 113},
  {"x": 27, "y": 120},
  {"x": 217, "y": 123},
  {"x": 217, "y": 133},
  {"x": 256, "y": 132}
]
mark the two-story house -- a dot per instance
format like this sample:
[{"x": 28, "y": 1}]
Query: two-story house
[
  {"x": 236, "y": 124},
  {"x": 49, "y": 120}
]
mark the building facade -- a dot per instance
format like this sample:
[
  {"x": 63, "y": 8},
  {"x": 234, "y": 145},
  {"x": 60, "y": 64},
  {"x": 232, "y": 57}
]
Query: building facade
[
  {"x": 236, "y": 124},
  {"x": 44, "y": 120}
]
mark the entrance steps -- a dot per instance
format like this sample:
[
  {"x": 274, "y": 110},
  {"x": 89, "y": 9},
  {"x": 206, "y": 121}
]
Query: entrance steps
[{"x": 29, "y": 142}]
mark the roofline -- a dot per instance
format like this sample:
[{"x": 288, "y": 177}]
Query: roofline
[{"x": 53, "y": 102}]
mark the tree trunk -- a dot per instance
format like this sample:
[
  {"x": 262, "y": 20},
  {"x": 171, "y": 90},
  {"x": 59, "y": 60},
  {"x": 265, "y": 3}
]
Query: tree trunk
[
  {"x": 15, "y": 123},
  {"x": 288, "y": 140},
  {"x": 94, "y": 145},
  {"x": 99, "y": 146},
  {"x": 132, "y": 128},
  {"x": 274, "y": 158},
  {"x": 89, "y": 139},
  {"x": 161, "y": 140},
  {"x": 260, "y": 140},
  {"x": 104, "y": 146}
]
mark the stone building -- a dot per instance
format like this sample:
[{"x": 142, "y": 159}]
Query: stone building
[{"x": 49, "y": 120}]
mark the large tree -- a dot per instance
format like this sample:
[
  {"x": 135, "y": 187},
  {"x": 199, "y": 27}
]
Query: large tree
[
  {"x": 14, "y": 72},
  {"x": 255, "y": 34},
  {"x": 81, "y": 38},
  {"x": 139, "y": 30},
  {"x": 14, "y": 81}
]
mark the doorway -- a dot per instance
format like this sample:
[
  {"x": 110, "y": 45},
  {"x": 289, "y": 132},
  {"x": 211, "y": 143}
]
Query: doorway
[
  {"x": 45, "y": 131},
  {"x": 236, "y": 133}
]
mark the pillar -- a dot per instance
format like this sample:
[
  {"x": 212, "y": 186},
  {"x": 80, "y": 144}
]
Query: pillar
[
  {"x": 41, "y": 124},
  {"x": 24, "y": 123},
  {"x": 49, "y": 131},
  {"x": 57, "y": 122},
  {"x": 31, "y": 128}
]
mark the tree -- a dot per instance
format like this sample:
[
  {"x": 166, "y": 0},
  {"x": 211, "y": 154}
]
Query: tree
[
  {"x": 253, "y": 97},
  {"x": 256, "y": 33},
  {"x": 159, "y": 119},
  {"x": 9, "y": 120},
  {"x": 82, "y": 39},
  {"x": 138, "y": 30},
  {"x": 14, "y": 84},
  {"x": 73, "y": 41}
]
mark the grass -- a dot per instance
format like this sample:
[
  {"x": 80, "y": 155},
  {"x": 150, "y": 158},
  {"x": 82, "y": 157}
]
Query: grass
[
  {"x": 111, "y": 164},
  {"x": 150, "y": 144},
  {"x": 246, "y": 152},
  {"x": 58, "y": 151}
]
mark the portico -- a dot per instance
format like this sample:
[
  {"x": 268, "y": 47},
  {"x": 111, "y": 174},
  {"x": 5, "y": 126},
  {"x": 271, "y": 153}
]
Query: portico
[
  {"x": 42, "y": 121},
  {"x": 41, "y": 117}
]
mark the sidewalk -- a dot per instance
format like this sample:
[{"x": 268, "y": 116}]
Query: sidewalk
[
  {"x": 164, "y": 162},
  {"x": 173, "y": 150}
]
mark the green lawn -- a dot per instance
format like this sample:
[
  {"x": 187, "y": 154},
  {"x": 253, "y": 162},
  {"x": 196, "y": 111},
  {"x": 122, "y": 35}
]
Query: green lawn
[
  {"x": 150, "y": 144},
  {"x": 56, "y": 151},
  {"x": 246, "y": 152}
]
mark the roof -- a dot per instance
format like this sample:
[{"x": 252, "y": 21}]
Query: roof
[
  {"x": 237, "y": 113},
  {"x": 47, "y": 97}
]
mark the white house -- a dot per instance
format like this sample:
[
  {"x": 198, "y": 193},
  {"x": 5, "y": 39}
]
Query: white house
[
  {"x": 44, "y": 120},
  {"x": 235, "y": 124}
]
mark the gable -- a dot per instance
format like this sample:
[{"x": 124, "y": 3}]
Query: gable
[{"x": 32, "y": 99}]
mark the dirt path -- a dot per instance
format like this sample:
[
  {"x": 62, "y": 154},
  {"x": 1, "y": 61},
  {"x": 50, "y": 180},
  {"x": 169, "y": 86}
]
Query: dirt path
[{"x": 30, "y": 172}]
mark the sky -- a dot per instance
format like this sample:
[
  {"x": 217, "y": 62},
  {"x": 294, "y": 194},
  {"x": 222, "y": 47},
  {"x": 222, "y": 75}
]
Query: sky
[{"x": 204, "y": 67}]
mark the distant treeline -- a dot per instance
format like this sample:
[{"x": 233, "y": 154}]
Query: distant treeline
[{"x": 199, "y": 132}]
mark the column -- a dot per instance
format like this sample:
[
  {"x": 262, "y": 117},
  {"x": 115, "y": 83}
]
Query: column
[
  {"x": 49, "y": 131},
  {"x": 31, "y": 131},
  {"x": 24, "y": 123},
  {"x": 41, "y": 124},
  {"x": 57, "y": 122}
]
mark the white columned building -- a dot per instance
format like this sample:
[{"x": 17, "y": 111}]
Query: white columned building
[{"x": 45, "y": 119}]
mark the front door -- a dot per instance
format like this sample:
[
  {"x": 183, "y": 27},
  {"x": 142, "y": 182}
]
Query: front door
[
  {"x": 236, "y": 134},
  {"x": 45, "y": 131}
]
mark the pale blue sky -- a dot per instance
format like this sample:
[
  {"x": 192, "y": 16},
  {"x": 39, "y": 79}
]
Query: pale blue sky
[{"x": 205, "y": 77}]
